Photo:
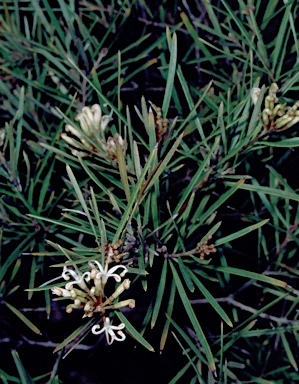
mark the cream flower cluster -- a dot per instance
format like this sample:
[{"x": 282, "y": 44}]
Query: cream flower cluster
[
  {"x": 93, "y": 124},
  {"x": 87, "y": 290},
  {"x": 276, "y": 116}
]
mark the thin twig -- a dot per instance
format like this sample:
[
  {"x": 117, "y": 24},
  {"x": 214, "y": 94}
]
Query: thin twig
[{"x": 244, "y": 307}]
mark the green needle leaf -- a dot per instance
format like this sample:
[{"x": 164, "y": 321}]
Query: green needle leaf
[
  {"x": 23, "y": 318},
  {"x": 134, "y": 332},
  {"x": 193, "y": 318},
  {"x": 171, "y": 74}
]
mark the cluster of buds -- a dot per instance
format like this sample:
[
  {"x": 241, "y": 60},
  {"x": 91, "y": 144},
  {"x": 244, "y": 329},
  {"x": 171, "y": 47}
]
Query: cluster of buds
[
  {"x": 161, "y": 124},
  {"x": 205, "y": 249},
  {"x": 115, "y": 255},
  {"x": 92, "y": 126},
  {"x": 276, "y": 116},
  {"x": 87, "y": 290},
  {"x": 109, "y": 146}
]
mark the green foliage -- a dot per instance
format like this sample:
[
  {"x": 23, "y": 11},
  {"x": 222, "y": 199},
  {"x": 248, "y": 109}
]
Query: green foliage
[{"x": 190, "y": 190}]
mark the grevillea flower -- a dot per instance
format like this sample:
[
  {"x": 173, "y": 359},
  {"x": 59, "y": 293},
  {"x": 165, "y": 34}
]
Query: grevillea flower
[
  {"x": 93, "y": 123},
  {"x": 109, "y": 331},
  {"x": 105, "y": 273},
  {"x": 88, "y": 293},
  {"x": 79, "y": 279}
]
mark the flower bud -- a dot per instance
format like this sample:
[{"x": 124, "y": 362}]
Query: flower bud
[
  {"x": 72, "y": 130},
  {"x": 61, "y": 292},
  {"x": 97, "y": 116},
  {"x": 72, "y": 141},
  {"x": 255, "y": 94},
  {"x": 70, "y": 307}
]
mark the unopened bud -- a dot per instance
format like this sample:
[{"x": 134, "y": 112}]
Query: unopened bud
[{"x": 255, "y": 92}]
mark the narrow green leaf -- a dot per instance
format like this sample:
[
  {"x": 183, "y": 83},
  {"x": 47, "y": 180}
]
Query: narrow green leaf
[
  {"x": 240, "y": 233},
  {"x": 99, "y": 183},
  {"x": 151, "y": 130},
  {"x": 137, "y": 164},
  {"x": 123, "y": 171},
  {"x": 134, "y": 197},
  {"x": 32, "y": 275},
  {"x": 24, "y": 376},
  {"x": 197, "y": 41},
  {"x": 15, "y": 270},
  {"x": 188, "y": 340},
  {"x": 249, "y": 275},
  {"x": 170, "y": 76},
  {"x": 281, "y": 36},
  {"x": 211, "y": 299},
  {"x": 186, "y": 274},
  {"x": 4, "y": 376},
  {"x": 75, "y": 228},
  {"x": 168, "y": 315},
  {"x": 286, "y": 143},
  {"x": 263, "y": 332},
  {"x": 77, "y": 342},
  {"x": 193, "y": 318},
  {"x": 20, "y": 125},
  {"x": 260, "y": 43},
  {"x": 269, "y": 13},
  {"x": 185, "y": 352},
  {"x": 289, "y": 83},
  {"x": 165, "y": 161},
  {"x": 84, "y": 327},
  {"x": 193, "y": 108},
  {"x": 267, "y": 190},
  {"x": 44, "y": 188},
  {"x": 196, "y": 178},
  {"x": 23, "y": 318},
  {"x": 222, "y": 127},
  {"x": 214, "y": 19},
  {"x": 288, "y": 351},
  {"x": 211, "y": 210},
  {"x": 237, "y": 335},
  {"x": 133, "y": 332},
  {"x": 181, "y": 373},
  {"x": 160, "y": 292},
  {"x": 80, "y": 197},
  {"x": 142, "y": 67},
  {"x": 15, "y": 254}
]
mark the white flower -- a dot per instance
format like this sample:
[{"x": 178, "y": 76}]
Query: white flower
[
  {"x": 109, "y": 331},
  {"x": 79, "y": 279},
  {"x": 104, "y": 274}
]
